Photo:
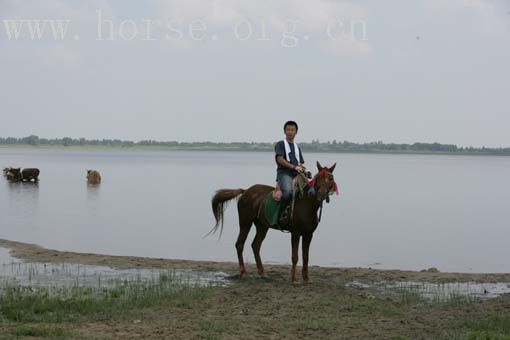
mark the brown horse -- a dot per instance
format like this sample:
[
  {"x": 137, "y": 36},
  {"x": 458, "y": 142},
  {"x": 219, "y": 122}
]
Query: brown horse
[{"x": 250, "y": 206}]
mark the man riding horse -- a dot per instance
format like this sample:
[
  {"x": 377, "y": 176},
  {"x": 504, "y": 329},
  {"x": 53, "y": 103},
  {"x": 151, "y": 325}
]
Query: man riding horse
[
  {"x": 289, "y": 160},
  {"x": 254, "y": 205}
]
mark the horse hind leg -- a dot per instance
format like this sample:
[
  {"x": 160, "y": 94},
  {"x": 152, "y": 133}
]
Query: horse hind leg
[
  {"x": 244, "y": 229},
  {"x": 256, "y": 244}
]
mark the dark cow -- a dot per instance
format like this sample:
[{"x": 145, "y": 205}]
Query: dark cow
[
  {"x": 6, "y": 171},
  {"x": 23, "y": 175},
  {"x": 10, "y": 175}
]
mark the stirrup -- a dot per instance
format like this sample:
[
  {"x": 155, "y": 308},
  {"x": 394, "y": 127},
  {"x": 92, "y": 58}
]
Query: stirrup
[
  {"x": 282, "y": 229},
  {"x": 287, "y": 226}
]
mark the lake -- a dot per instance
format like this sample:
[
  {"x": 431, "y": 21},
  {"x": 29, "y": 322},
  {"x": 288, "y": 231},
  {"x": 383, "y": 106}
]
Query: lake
[{"x": 393, "y": 211}]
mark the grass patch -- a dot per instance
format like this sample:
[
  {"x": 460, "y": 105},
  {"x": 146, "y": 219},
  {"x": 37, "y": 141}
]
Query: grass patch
[
  {"x": 58, "y": 304},
  {"x": 378, "y": 307},
  {"x": 317, "y": 324},
  {"x": 212, "y": 329},
  {"x": 456, "y": 300},
  {"x": 492, "y": 327},
  {"x": 47, "y": 332},
  {"x": 416, "y": 296},
  {"x": 410, "y": 297},
  {"x": 488, "y": 335},
  {"x": 488, "y": 327}
]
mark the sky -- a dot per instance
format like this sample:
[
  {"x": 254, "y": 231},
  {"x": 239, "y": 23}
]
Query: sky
[{"x": 235, "y": 70}]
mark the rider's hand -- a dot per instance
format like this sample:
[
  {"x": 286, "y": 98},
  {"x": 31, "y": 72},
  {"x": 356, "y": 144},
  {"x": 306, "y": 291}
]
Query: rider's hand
[{"x": 298, "y": 168}]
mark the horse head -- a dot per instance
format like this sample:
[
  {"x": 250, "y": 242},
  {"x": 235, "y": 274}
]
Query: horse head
[{"x": 323, "y": 183}]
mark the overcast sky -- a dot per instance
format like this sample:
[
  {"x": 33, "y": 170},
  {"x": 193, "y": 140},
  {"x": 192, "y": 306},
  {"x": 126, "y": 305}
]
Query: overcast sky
[{"x": 236, "y": 70}]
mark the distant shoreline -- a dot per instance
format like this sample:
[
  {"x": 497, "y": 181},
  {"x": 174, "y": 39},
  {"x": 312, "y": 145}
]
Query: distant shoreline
[{"x": 149, "y": 148}]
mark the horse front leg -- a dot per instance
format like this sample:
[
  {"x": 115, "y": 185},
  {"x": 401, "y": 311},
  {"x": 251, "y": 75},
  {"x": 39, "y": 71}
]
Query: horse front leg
[
  {"x": 295, "y": 248},
  {"x": 307, "y": 239}
]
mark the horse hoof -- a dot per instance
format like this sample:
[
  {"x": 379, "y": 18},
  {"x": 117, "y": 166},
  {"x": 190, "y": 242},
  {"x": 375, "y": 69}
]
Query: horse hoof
[
  {"x": 296, "y": 283},
  {"x": 242, "y": 274},
  {"x": 307, "y": 282}
]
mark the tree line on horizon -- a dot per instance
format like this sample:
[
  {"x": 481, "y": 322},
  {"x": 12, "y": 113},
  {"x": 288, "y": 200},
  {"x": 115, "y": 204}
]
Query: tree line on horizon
[{"x": 313, "y": 146}]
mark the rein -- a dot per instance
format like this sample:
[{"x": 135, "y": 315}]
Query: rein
[{"x": 313, "y": 191}]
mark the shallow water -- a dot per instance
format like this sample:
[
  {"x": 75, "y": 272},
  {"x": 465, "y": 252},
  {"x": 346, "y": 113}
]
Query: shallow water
[
  {"x": 17, "y": 272},
  {"x": 440, "y": 291},
  {"x": 394, "y": 211}
]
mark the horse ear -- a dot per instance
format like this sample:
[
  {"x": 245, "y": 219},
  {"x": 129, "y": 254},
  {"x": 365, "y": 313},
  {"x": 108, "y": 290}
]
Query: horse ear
[
  {"x": 332, "y": 168},
  {"x": 319, "y": 166}
]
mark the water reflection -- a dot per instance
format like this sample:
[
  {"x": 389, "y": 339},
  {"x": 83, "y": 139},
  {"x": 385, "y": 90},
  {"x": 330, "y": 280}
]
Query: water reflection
[
  {"x": 93, "y": 191},
  {"x": 23, "y": 196},
  {"x": 93, "y": 199}
]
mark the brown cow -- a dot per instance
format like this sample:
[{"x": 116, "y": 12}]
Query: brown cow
[{"x": 93, "y": 177}]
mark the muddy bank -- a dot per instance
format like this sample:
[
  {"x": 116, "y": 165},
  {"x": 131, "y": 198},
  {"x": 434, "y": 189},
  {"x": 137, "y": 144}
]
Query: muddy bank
[
  {"x": 34, "y": 253},
  {"x": 335, "y": 306}
]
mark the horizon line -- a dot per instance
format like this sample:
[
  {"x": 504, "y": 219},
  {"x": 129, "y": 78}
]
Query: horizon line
[{"x": 256, "y": 142}]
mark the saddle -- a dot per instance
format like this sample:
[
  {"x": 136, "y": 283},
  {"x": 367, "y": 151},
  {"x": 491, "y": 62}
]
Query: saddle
[
  {"x": 298, "y": 184},
  {"x": 272, "y": 202}
]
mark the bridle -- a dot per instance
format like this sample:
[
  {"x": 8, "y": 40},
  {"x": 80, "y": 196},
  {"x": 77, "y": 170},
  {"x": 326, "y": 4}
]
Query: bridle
[
  {"x": 312, "y": 188},
  {"x": 312, "y": 185}
]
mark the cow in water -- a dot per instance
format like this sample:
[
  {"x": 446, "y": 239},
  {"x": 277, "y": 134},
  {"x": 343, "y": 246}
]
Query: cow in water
[
  {"x": 22, "y": 174},
  {"x": 93, "y": 177},
  {"x": 8, "y": 174},
  {"x": 6, "y": 171}
]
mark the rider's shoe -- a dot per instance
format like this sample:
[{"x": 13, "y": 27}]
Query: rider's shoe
[{"x": 284, "y": 220}]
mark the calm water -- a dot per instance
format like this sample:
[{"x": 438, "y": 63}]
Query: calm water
[{"x": 394, "y": 211}]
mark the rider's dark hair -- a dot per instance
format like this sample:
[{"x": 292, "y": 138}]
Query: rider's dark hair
[{"x": 290, "y": 123}]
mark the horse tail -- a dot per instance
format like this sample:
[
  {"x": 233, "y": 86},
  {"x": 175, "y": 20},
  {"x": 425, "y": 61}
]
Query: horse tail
[{"x": 219, "y": 203}]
